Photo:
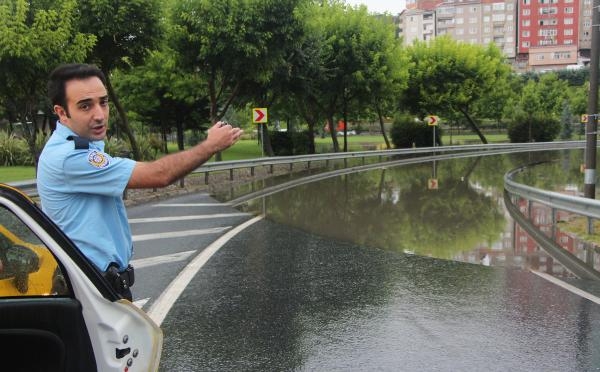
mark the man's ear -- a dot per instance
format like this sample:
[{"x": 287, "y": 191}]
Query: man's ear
[{"x": 61, "y": 112}]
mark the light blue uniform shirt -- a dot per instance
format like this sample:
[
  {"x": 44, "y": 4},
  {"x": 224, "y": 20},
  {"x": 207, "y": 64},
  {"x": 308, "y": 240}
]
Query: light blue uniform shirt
[{"x": 81, "y": 191}]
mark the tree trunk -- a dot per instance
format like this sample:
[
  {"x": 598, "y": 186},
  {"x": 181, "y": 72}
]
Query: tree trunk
[
  {"x": 333, "y": 134},
  {"x": 123, "y": 122},
  {"x": 380, "y": 116},
  {"x": 473, "y": 125}
]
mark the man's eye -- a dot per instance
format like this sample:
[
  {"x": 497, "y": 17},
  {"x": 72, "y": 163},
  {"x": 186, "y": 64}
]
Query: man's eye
[
  {"x": 84, "y": 106},
  {"x": 104, "y": 102}
]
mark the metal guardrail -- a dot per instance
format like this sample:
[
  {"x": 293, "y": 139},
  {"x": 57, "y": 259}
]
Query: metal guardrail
[
  {"x": 580, "y": 205},
  {"x": 30, "y": 186},
  {"x": 575, "y": 204}
]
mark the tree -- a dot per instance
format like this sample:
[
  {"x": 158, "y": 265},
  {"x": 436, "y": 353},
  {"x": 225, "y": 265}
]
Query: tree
[
  {"x": 33, "y": 36},
  {"x": 227, "y": 43},
  {"x": 125, "y": 31},
  {"x": 448, "y": 76},
  {"x": 162, "y": 95},
  {"x": 566, "y": 122}
]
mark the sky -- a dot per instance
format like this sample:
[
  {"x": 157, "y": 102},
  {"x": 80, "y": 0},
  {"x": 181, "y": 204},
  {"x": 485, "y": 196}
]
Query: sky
[{"x": 392, "y": 6}]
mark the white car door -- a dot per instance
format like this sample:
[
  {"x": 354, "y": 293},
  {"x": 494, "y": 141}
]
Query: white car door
[{"x": 57, "y": 313}]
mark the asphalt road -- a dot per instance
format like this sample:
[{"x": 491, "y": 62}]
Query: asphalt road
[{"x": 276, "y": 298}]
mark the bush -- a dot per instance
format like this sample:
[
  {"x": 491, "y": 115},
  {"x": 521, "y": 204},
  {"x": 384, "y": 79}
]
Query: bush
[
  {"x": 289, "y": 143},
  {"x": 537, "y": 128},
  {"x": 14, "y": 151},
  {"x": 407, "y": 132}
]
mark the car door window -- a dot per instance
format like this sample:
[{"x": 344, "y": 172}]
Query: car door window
[{"x": 27, "y": 267}]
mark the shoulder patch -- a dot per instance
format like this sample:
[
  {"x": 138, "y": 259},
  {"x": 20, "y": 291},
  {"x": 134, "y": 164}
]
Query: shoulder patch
[{"x": 98, "y": 159}]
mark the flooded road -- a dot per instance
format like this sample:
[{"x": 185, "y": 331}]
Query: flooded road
[{"x": 381, "y": 270}]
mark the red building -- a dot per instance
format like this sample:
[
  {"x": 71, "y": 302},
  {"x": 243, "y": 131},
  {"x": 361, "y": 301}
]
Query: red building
[{"x": 548, "y": 33}]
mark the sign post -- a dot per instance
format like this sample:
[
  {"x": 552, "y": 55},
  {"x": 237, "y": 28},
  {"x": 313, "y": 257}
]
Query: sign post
[
  {"x": 432, "y": 121},
  {"x": 260, "y": 116}
]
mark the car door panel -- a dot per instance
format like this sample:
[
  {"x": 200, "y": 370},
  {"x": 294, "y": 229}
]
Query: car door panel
[{"x": 51, "y": 296}]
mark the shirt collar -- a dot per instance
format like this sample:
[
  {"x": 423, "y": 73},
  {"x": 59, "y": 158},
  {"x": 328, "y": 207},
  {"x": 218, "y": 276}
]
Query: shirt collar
[{"x": 64, "y": 131}]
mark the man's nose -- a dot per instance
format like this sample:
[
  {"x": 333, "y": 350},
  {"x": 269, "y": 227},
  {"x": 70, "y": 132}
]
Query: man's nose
[{"x": 98, "y": 113}]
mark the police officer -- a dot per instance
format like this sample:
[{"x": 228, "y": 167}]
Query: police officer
[{"x": 81, "y": 186}]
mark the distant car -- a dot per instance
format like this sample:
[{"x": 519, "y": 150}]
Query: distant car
[
  {"x": 349, "y": 133},
  {"x": 57, "y": 312}
]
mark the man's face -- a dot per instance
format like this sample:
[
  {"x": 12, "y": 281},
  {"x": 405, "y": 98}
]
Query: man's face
[{"x": 86, "y": 113}]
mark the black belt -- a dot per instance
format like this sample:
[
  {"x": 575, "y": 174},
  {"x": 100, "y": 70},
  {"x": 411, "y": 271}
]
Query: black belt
[{"x": 120, "y": 280}]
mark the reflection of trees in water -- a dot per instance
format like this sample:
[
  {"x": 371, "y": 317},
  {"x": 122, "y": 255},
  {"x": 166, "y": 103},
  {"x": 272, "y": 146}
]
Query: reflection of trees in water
[{"x": 393, "y": 209}]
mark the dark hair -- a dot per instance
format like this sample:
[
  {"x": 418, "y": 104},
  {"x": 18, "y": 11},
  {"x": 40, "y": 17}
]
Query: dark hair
[{"x": 66, "y": 72}]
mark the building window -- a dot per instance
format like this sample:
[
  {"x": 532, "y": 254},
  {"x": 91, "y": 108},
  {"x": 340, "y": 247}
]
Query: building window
[
  {"x": 525, "y": 44},
  {"x": 526, "y": 2},
  {"x": 474, "y": 9},
  {"x": 510, "y": 6},
  {"x": 498, "y": 6},
  {"x": 569, "y": 10},
  {"x": 568, "y": 42},
  {"x": 568, "y": 21},
  {"x": 473, "y": 20},
  {"x": 568, "y": 32},
  {"x": 526, "y": 12},
  {"x": 526, "y": 23},
  {"x": 509, "y": 17},
  {"x": 459, "y": 21},
  {"x": 549, "y": 10},
  {"x": 498, "y": 17},
  {"x": 525, "y": 34},
  {"x": 548, "y": 32},
  {"x": 487, "y": 8},
  {"x": 486, "y": 19}
]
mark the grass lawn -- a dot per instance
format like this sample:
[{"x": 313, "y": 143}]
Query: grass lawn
[
  {"x": 250, "y": 149},
  {"x": 11, "y": 174}
]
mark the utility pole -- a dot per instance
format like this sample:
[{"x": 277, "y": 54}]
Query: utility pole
[{"x": 590, "y": 131}]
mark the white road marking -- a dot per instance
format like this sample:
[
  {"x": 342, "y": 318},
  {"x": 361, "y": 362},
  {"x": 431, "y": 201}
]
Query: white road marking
[
  {"x": 186, "y": 218},
  {"x": 192, "y": 205},
  {"x": 166, "y": 258},
  {"x": 141, "y": 302},
  {"x": 568, "y": 287},
  {"x": 179, "y": 234},
  {"x": 159, "y": 309}
]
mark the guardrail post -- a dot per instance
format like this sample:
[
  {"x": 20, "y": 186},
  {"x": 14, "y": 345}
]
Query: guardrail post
[
  {"x": 252, "y": 171},
  {"x": 590, "y": 229},
  {"x": 291, "y": 166},
  {"x": 271, "y": 168},
  {"x": 231, "y": 174},
  {"x": 308, "y": 164},
  {"x": 206, "y": 178}
]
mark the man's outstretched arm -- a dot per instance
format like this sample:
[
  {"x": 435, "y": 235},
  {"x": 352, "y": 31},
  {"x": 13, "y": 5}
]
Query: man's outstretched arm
[{"x": 170, "y": 168}]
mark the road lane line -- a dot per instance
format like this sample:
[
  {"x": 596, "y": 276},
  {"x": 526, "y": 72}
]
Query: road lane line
[
  {"x": 568, "y": 287},
  {"x": 159, "y": 309},
  {"x": 179, "y": 234},
  {"x": 192, "y": 205},
  {"x": 186, "y": 218},
  {"x": 141, "y": 302},
  {"x": 165, "y": 258}
]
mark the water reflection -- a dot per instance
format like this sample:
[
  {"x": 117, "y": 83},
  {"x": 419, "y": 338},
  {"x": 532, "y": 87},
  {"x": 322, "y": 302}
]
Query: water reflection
[{"x": 461, "y": 219}]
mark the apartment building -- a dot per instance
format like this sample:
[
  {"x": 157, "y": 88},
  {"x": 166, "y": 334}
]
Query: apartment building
[{"x": 535, "y": 35}]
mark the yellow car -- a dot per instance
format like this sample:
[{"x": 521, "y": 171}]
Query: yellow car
[{"x": 26, "y": 269}]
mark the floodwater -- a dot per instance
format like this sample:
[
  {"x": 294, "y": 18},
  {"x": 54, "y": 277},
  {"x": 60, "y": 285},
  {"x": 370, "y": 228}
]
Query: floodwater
[
  {"x": 379, "y": 270},
  {"x": 398, "y": 209}
]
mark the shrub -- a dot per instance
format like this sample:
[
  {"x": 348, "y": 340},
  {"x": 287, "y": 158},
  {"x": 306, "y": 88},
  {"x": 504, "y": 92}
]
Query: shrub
[
  {"x": 538, "y": 127},
  {"x": 14, "y": 151},
  {"x": 408, "y": 132},
  {"x": 289, "y": 143}
]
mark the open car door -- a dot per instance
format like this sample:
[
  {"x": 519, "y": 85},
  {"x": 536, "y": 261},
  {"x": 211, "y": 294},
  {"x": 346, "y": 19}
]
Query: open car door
[{"x": 57, "y": 313}]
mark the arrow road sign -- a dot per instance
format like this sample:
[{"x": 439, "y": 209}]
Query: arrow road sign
[
  {"x": 432, "y": 120},
  {"x": 259, "y": 115}
]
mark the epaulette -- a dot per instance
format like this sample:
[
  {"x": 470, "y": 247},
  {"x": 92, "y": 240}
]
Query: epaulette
[{"x": 80, "y": 142}]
